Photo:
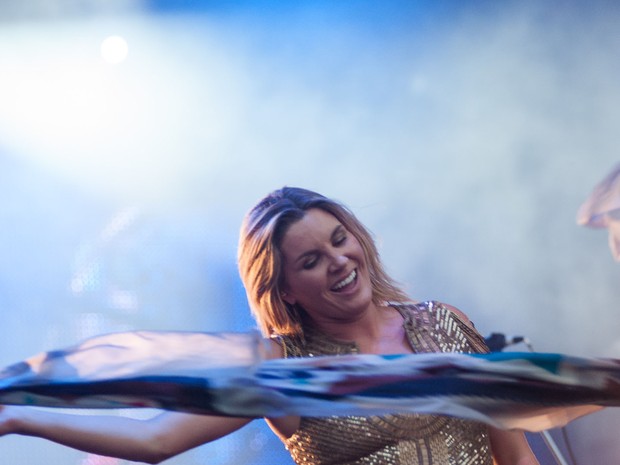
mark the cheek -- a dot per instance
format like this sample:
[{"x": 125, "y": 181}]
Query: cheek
[
  {"x": 358, "y": 251},
  {"x": 309, "y": 281},
  {"x": 307, "y": 285}
]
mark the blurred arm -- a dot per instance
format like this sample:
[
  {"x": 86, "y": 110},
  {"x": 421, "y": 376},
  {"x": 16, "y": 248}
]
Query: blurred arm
[
  {"x": 151, "y": 441},
  {"x": 511, "y": 448}
]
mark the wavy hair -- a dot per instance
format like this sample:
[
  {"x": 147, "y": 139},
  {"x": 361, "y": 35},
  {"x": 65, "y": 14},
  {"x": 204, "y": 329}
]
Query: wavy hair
[{"x": 260, "y": 257}]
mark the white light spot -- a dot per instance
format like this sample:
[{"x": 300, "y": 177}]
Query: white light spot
[{"x": 114, "y": 49}]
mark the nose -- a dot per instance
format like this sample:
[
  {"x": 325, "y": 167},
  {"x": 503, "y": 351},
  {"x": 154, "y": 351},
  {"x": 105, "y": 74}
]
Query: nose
[{"x": 338, "y": 260}]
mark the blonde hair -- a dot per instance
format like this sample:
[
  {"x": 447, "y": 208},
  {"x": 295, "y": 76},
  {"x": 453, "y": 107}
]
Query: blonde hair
[{"x": 260, "y": 258}]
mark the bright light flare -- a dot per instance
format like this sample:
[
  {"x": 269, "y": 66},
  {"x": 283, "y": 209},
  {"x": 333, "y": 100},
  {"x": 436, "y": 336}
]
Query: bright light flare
[{"x": 114, "y": 49}]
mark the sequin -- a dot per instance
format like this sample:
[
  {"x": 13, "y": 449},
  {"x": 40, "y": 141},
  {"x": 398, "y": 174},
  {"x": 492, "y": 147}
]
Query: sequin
[{"x": 408, "y": 439}]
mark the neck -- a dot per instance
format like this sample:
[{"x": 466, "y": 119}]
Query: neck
[
  {"x": 363, "y": 326},
  {"x": 378, "y": 330}
]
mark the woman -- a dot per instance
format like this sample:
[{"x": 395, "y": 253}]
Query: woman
[{"x": 316, "y": 287}]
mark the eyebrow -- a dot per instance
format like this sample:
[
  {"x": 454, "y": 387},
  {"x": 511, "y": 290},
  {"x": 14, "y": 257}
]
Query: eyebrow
[{"x": 337, "y": 230}]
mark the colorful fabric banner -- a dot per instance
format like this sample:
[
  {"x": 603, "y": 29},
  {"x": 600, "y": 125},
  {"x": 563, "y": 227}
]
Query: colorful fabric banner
[{"x": 227, "y": 374}]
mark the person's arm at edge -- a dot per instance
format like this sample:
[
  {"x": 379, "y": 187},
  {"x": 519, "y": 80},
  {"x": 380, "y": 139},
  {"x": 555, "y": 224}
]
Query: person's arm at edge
[{"x": 151, "y": 441}]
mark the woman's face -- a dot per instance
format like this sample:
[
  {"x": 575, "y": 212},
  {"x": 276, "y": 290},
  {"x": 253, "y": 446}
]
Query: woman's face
[{"x": 324, "y": 269}]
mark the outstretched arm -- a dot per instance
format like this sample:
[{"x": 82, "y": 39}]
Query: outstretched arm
[
  {"x": 151, "y": 441},
  {"x": 511, "y": 448}
]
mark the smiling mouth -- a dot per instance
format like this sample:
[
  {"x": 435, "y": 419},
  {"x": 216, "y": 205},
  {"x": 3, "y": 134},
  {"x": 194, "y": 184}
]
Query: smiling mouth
[{"x": 345, "y": 282}]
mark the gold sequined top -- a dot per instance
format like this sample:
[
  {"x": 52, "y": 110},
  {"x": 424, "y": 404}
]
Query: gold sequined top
[{"x": 408, "y": 439}]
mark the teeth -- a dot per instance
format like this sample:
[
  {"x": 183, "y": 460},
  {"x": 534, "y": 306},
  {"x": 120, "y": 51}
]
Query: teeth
[{"x": 348, "y": 280}]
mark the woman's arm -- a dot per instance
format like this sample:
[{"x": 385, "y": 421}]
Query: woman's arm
[
  {"x": 511, "y": 448},
  {"x": 150, "y": 441}
]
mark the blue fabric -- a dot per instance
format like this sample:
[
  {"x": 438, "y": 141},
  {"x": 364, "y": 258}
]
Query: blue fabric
[{"x": 225, "y": 374}]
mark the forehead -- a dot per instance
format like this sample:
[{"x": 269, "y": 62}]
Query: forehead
[{"x": 315, "y": 225}]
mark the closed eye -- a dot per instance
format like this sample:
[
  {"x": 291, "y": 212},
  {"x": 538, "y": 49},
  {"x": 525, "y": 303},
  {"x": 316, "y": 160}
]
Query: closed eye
[
  {"x": 310, "y": 262},
  {"x": 311, "y": 258},
  {"x": 339, "y": 241},
  {"x": 339, "y": 237}
]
